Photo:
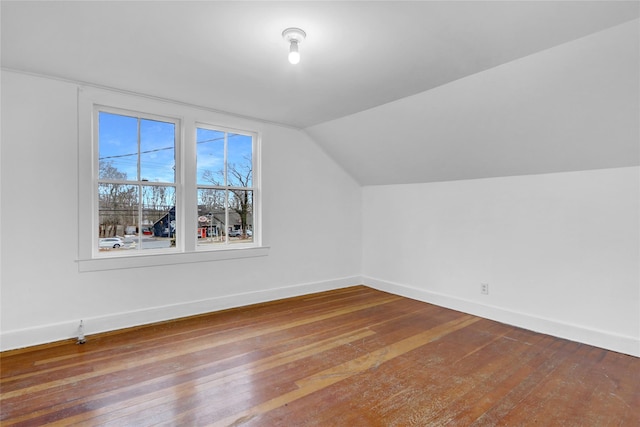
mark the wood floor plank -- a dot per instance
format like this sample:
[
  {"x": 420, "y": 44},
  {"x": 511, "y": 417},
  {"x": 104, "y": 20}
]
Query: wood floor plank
[
  {"x": 349, "y": 357},
  {"x": 404, "y": 391},
  {"x": 229, "y": 375},
  {"x": 110, "y": 369},
  {"x": 189, "y": 346}
]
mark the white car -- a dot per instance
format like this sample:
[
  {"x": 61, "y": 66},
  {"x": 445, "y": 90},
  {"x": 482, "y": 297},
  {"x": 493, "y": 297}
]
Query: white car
[
  {"x": 111, "y": 242},
  {"x": 238, "y": 233}
]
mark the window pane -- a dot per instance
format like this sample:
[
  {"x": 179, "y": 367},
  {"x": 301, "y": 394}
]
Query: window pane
[
  {"x": 241, "y": 216},
  {"x": 118, "y": 146},
  {"x": 210, "y": 160},
  {"x": 157, "y": 151},
  {"x": 117, "y": 215},
  {"x": 239, "y": 158},
  {"x": 158, "y": 216},
  {"x": 211, "y": 217}
]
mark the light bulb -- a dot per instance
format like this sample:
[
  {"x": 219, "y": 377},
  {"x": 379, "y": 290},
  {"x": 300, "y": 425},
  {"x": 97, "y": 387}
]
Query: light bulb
[
  {"x": 294, "y": 36},
  {"x": 294, "y": 53}
]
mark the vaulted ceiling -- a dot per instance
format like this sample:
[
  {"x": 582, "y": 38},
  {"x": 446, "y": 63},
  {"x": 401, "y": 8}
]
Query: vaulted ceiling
[{"x": 386, "y": 88}]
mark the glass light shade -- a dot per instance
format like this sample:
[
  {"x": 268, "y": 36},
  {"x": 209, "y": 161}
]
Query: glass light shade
[{"x": 294, "y": 54}]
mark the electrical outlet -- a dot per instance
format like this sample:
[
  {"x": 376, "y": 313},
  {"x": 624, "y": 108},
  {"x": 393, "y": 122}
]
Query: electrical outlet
[{"x": 484, "y": 288}]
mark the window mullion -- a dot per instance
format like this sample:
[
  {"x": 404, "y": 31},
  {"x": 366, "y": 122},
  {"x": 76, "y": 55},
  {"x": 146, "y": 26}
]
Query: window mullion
[
  {"x": 226, "y": 183},
  {"x": 139, "y": 227},
  {"x": 226, "y": 159},
  {"x": 138, "y": 154},
  {"x": 140, "y": 197}
]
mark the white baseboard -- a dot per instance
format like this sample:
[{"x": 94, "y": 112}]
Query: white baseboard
[
  {"x": 26, "y": 337},
  {"x": 603, "y": 339}
]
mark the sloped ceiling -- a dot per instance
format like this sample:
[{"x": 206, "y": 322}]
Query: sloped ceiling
[
  {"x": 573, "y": 107},
  {"x": 394, "y": 91}
]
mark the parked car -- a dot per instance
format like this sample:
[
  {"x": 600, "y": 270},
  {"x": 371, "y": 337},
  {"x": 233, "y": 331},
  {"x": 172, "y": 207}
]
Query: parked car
[
  {"x": 238, "y": 233},
  {"x": 111, "y": 242}
]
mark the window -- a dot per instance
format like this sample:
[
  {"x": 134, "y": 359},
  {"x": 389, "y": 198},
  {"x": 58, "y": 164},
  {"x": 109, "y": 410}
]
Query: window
[
  {"x": 164, "y": 183},
  {"x": 136, "y": 181},
  {"x": 225, "y": 187}
]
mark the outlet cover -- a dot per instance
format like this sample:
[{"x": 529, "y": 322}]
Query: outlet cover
[{"x": 484, "y": 288}]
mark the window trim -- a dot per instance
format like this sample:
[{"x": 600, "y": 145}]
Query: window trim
[
  {"x": 189, "y": 117},
  {"x": 152, "y": 260},
  {"x": 254, "y": 188}
]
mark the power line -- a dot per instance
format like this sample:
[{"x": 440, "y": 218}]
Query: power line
[{"x": 156, "y": 150}]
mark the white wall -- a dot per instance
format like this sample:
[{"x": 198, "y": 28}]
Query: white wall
[
  {"x": 308, "y": 203},
  {"x": 560, "y": 252}
]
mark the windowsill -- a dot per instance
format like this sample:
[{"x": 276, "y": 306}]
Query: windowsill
[{"x": 137, "y": 261}]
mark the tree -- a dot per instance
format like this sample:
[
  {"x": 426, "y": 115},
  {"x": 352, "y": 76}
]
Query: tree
[
  {"x": 240, "y": 200},
  {"x": 117, "y": 201}
]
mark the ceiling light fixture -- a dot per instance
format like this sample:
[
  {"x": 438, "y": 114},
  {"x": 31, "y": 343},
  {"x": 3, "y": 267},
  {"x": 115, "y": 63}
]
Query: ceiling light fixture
[{"x": 294, "y": 36}]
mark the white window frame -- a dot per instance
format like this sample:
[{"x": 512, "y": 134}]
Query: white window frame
[
  {"x": 97, "y": 109},
  {"x": 90, "y": 100},
  {"x": 227, "y": 188}
]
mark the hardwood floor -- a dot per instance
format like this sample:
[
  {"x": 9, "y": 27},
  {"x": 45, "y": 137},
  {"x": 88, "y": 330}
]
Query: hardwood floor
[{"x": 350, "y": 357}]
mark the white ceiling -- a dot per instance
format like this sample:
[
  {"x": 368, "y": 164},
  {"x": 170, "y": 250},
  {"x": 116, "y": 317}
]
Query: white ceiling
[{"x": 230, "y": 56}]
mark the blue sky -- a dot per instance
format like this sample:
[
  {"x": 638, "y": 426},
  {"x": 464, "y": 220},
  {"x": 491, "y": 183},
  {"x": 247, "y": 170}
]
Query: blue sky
[
  {"x": 118, "y": 136},
  {"x": 118, "y": 144},
  {"x": 210, "y": 152}
]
